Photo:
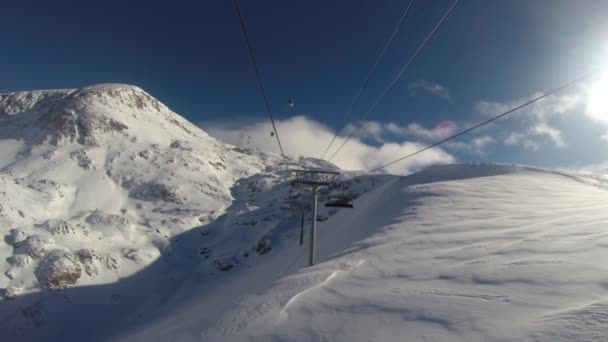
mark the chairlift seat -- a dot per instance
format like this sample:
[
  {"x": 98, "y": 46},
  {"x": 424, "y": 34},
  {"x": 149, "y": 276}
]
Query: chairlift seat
[{"x": 339, "y": 202}]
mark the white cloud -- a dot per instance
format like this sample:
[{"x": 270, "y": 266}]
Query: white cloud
[
  {"x": 476, "y": 145},
  {"x": 521, "y": 139},
  {"x": 302, "y": 136},
  {"x": 441, "y": 131},
  {"x": 429, "y": 87},
  {"x": 533, "y": 120},
  {"x": 551, "y": 105},
  {"x": 489, "y": 108},
  {"x": 552, "y": 132},
  {"x": 367, "y": 130}
]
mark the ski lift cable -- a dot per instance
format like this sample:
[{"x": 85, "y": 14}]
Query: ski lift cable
[
  {"x": 483, "y": 123},
  {"x": 259, "y": 78},
  {"x": 400, "y": 74},
  {"x": 371, "y": 72}
]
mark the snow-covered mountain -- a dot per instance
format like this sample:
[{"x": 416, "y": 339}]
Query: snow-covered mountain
[
  {"x": 123, "y": 221},
  {"x": 96, "y": 181}
]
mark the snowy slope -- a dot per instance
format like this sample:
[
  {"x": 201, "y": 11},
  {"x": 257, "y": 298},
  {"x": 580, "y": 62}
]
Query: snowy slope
[
  {"x": 106, "y": 190},
  {"x": 103, "y": 177},
  {"x": 454, "y": 253},
  {"x": 122, "y": 221}
]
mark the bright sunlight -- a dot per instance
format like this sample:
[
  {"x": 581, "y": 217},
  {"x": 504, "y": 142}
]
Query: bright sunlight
[{"x": 597, "y": 106}]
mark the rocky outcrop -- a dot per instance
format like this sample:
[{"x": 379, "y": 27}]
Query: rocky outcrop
[{"x": 59, "y": 269}]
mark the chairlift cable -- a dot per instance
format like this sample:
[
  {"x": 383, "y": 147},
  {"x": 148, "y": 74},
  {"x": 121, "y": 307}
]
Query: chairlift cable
[
  {"x": 259, "y": 78},
  {"x": 400, "y": 74},
  {"x": 371, "y": 72},
  {"x": 483, "y": 123}
]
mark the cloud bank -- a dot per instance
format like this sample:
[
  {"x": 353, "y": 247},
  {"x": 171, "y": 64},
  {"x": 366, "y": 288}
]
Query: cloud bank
[
  {"x": 303, "y": 136},
  {"x": 533, "y": 123}
]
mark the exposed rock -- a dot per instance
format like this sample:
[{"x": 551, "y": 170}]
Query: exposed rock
[
  {"x": 60, "y": 227},
  {"x": 223, "y": 265},
  {"x": 35, "y": 246},
  {"x": 263, "y": 247},
  {"x": 111, "y": 262},
  {"x": 99, "y": 217},
  {"x": 181, "y": 145},
  {"x": 82, "y": 159},
  {"x": 48, "y": 155},
  {"x": 59, "y": 269},
  {"x": 49, "y": 187},
  {"x": 152, "y": 191},
  {"x": 86, "y": 255},
  {"x": 89, "y": 259}
]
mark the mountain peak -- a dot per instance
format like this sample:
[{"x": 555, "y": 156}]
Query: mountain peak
[
  {"x": 87, "y": 114},
  {"x": 111, "y": 87}
]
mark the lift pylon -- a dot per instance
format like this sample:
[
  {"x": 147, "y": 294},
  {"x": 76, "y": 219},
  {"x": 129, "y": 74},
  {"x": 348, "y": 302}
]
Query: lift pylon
[{"x": 313, "y": 179}]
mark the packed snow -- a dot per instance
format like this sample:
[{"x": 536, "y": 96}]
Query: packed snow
[{"x": 122, "y": 221}]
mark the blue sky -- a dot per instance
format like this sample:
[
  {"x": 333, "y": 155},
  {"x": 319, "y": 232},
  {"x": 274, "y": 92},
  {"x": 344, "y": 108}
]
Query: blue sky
[{"x": 190, "y": 55}]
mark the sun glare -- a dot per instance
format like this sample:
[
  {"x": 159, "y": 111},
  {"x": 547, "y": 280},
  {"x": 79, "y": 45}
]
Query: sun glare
[{"x": 597, "y": 106}]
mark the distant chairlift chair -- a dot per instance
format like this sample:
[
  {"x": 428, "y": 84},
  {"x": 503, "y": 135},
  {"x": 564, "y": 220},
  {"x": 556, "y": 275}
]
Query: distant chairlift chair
[{"x": 339, "y": 201}]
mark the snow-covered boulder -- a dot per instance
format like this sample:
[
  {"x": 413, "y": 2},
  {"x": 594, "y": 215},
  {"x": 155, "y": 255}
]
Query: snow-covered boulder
[
  {"x": 14, "y": 237},
  {"x": 61, "y": 227},
  {"x": 10, "y": 292},
  {"x": 49, "y": 187},
  {"x": 89, "y": 258},
  {"x": 155, "y": 191},
  {"x": 142, "y": 256},
  {"x": 101, "y": 218},
  {"x": 19, "y": 260},
  {"x": 59, "y": 269},
  {"x": 35, "y": 246}
]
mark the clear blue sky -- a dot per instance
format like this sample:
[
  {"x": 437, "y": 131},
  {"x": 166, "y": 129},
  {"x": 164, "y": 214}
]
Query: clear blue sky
[{"x": 190, "y": 55}]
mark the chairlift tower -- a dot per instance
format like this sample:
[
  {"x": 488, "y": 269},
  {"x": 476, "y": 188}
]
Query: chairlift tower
[{"x": 313, "y": 179}]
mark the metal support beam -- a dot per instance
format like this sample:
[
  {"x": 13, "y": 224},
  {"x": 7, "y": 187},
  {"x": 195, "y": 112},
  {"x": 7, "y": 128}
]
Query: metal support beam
[
  {"x": 302, "y": 227},
  {"x": 312, "y": 179},
  {"x": 313, "y": 227}
]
